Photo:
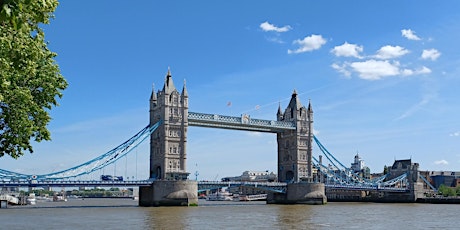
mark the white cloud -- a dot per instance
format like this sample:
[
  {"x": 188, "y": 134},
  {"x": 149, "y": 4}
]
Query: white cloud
[
  {"x": 432, "y": 54},
  {"x": 409, "y": 72},
  {"x": 389, "y": 52},
  {"x": 266, "y": 26},
  {"x": 341, "y": 69},
  {"x": 347, "y": 50},
  {"x": 423, "y": 70},
  {"x": 409, "y": 34},
  {"x": 309, "y": 43},
  {"x": 275, "y": 40},
  {"x": 441, "y": 162},
  {"x": 375, "y": 70},
  {"x": 456, "y": 134}
]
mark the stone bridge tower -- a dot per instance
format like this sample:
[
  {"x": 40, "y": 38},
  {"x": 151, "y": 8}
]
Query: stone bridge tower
[
  {"x": 295, "y": 146},
  {"x": 168, "y": 142}
]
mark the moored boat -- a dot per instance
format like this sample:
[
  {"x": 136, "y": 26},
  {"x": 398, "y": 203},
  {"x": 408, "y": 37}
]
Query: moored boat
[
  {"x": 253, "y": 197},
  {"x": 222, "y": 195}
]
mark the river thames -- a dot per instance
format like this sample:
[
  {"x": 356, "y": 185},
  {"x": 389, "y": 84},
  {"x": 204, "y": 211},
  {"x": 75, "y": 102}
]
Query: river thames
[{"x": 125, "y": 214}]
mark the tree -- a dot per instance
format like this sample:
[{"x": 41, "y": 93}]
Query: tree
[
  {"x": 446, "y": 191},
  {"x": 30, "y": 79},
  {"x": 385, "y": 170}
]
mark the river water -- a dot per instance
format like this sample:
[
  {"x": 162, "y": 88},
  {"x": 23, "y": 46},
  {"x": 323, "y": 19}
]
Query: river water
[{"x": 125, "y": 214}]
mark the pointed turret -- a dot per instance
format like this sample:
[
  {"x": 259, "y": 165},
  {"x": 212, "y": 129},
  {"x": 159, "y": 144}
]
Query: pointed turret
[
  {"x": 184, "y": 90},
  {"x": 153, "y": 97},
  {"x": 310, "y": 111},
  {"x": 169, "y": 84},
  {"x": 279, "y": 109},
  {"x": 295, "y": 103},
  {"x": 279, "y": 114}
]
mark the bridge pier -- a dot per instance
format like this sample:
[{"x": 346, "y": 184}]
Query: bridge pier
[
  {"x": 300, "y": 193},
  {"x": 169, "y": 193}
]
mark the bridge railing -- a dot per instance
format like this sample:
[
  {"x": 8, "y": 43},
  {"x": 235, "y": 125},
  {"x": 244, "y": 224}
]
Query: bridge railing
[{"x": 244, "y": 122}]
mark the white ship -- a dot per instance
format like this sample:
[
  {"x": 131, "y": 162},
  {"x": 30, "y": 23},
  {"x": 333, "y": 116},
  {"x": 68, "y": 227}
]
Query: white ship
[
  {"x": 222, "y": 195},
  {"x": 253, "y": 197}
]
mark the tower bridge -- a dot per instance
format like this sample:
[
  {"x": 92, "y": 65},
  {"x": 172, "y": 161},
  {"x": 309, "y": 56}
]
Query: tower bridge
[{"x": 298, "y": 171}]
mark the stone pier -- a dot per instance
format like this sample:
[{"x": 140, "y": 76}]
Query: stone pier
[
  {"x": 300, "y": 193},
  {"x": 169, "y": 193}
]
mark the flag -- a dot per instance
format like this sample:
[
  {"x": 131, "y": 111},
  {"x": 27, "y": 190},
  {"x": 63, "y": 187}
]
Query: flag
[{"x": 229, "y": 103}]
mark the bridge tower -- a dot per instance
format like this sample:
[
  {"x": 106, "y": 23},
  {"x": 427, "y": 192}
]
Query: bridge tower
[
  {"x": 168, "y": 142},
  {"x": 295, "y": 146}
]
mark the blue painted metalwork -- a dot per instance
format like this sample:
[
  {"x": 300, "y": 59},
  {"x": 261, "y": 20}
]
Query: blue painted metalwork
[
  {"x": 339, "y": 177},
  {"x": 245, "y": 122},
  {"x": 73, "y": 183},
  {"x": 269, "y": 186},
  {"x": 91, "y": 166}
]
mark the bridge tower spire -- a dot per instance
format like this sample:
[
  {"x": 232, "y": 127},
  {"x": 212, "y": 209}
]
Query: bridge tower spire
[
  {"x": 168, "y": 142},
  {"x": 294, "y": 146}
]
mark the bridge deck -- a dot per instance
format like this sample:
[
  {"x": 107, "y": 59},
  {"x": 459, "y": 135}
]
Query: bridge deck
[
  {"x": 245, "y": 122},
  {"x": 203, "y": 185}
]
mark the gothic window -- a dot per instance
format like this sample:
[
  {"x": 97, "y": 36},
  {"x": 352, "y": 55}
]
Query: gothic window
[
  {"x": 170, "y": 149},
  {"x": 176, "y": 100}
]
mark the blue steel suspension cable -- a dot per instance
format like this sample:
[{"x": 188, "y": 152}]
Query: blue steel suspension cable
[
  {"x": 327, "y": 154},
  {"x": 107, "y": 158},
  {"x": 94, "y": 164}
]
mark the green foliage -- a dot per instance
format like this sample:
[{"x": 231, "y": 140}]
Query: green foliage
[
  {"x": 98, "y": 192},
  {"x": 30, "y": 79},
  {"x": 447, "y": 191},
  {"x": 385, "y": 169}
]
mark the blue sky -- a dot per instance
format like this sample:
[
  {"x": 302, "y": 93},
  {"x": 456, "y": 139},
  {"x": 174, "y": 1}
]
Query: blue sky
[{"x": 383, "y": 79}]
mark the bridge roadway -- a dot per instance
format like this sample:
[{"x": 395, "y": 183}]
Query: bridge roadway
[{"x": 202, "y": 185}]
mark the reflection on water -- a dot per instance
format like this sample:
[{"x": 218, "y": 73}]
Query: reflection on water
[{"x": 125, "y": 214}]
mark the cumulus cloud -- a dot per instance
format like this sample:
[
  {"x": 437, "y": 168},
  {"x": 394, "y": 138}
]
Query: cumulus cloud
[
  {"x": 423, "y": 70},
  {"x": 432, "y": 54},
  {"x": 389, "y": 52},
  {"x": 341, "y": 69},
  {"x": 441, "y": 162},
  {"x": 374, "y": 69},
  {"x": 377, "y": 69},
  {"x": 347, "y": 50},
  {"x": 309, "y": 43},
  {"x": 456, "y": 134},
  {"x": 409, "y": 34},
  {"x": 266, "y": 26}
]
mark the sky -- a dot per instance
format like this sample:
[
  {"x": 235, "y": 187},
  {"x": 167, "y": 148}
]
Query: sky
[{"x": 382, "y": 76}]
